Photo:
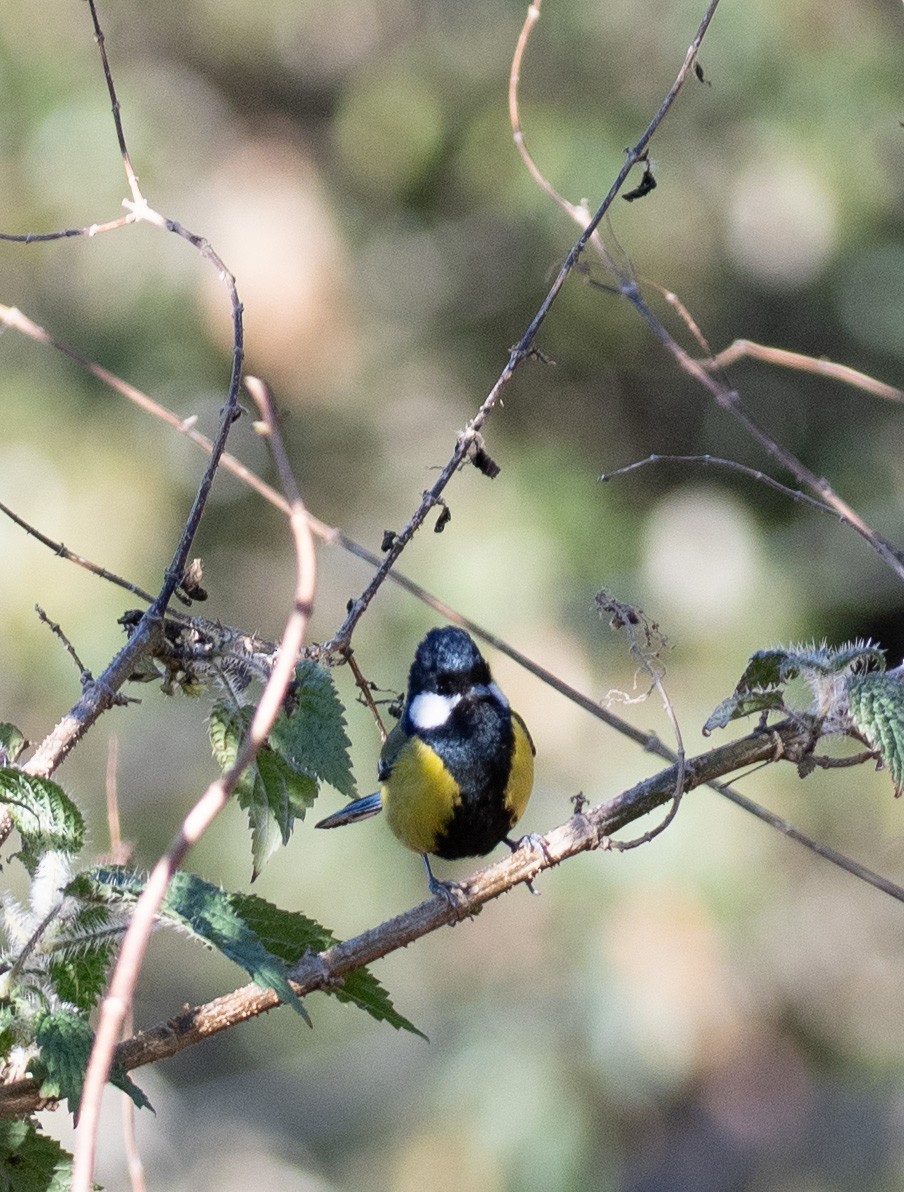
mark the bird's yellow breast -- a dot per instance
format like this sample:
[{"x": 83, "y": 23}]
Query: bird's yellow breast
[
  {"x": 423, "y": 798},
  {"x": 521, "y": 778}
]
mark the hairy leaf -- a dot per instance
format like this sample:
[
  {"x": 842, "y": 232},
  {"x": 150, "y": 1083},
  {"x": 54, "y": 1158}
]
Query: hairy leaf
[
  {"x": 877, "y": 710},
  {"x": 825, "y": 669},
  {"x": 65, "y": 1040},
  {"x": 12, "y": 742},
  {"x": 81, "y": 978},
  {"x": 210, "y": 915},
  {"x": 743, "y": 704},
  {"x": 290, "y": 935},
  {"x": 312, "y": 737},
  {"x": 271, "y": 790},
  {"x": 44, "y": 815},
  {"x": 30, "y": 1161}
]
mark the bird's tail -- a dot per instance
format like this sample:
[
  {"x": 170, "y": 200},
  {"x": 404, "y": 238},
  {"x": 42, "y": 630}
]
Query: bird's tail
[{"x": 360, "y": 809}]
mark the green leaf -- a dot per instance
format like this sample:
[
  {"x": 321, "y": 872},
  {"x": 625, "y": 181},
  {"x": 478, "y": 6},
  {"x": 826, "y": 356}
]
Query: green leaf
[
  {"x": 31, "y": 1162},
  {"x": 271, "y": 791},
  {"x": 290, "y": 935},
  {"x": 209, "y": 914},
  {"x": 81, "y": 979},
  {"x": 65, "y": 1040},
  {"x": 768, "y": 672},
  {"x": 246, "y": 928},
  {"x": 311, "y": 735},
  {"x": 121, "y": 1080},
  {"x": 45, "y": 817},
  {"x": 877, "y": 710},
  {"x": 12, "y": 742},
  {"x": 740, "y": 705},
  {"x": 81, "y": 949}
]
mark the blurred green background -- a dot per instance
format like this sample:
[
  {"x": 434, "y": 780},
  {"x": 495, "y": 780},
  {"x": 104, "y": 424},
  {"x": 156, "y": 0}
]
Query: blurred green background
[{"x": 718, "y": 1011}]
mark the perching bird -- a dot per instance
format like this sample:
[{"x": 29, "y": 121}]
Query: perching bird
[{"x": 457, "y": 770}]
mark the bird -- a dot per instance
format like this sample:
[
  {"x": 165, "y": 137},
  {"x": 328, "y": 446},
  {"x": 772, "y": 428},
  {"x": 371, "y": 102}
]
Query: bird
[{"x": 456, "y": 772}]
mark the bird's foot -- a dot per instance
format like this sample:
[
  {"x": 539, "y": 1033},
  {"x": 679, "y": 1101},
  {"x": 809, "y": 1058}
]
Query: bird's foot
[
  {"x": 535, "y": 842},
  {"x": 452, "y": 892}
]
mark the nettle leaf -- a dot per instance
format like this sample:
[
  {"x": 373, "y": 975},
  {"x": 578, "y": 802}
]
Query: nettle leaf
[
  {"x": 12, "y": 742},
  {"x": 257, "y": 935},
  {"x": 825, "y": 668},
  {"x": 740, "y": 705},
  {"x": 308, "y": 745},
  {"x": 290, "y": 935},
  {"x": 65, "y": 1039},
  {"x": 78, "y": 946},
  {"x": 45, "y": 817},
  {"x": 877, "y": 710},
  {"x": 271, "y": 790},
  {"x": 30, "y": 1161},
  {"x": 210, "y": 915},
  {"x": 311, "y": 736},
  {"x": 759, "y": 688},
  {"x": 81, "y": 978}
]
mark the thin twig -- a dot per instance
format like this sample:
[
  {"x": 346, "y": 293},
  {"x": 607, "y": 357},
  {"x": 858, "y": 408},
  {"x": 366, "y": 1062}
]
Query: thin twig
[
  {"x": 795, "y": 494},
  {"x": 119, "y": 855},
  {"x": 90, "y": 231},
  {"x": 83, "y": 673},
  {"x": 726, "y": 397},
  {"x": 98, "y": 697},
  {"x": 632, "y": 621},
  {"x": 743, "y": 348},
  {"x": 520, "y": 352},
  {"x": 64, "y": 553},
  {"x": 119, "y": 997}
]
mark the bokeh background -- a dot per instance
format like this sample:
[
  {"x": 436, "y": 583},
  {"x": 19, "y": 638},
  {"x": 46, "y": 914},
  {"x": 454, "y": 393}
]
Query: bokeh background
[{"x": 717, "y": 1011}]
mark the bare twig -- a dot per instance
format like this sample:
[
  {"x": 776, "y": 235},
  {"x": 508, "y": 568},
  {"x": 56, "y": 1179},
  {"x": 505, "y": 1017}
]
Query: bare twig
[
  {"x": 67, "y": 233},
  {"x": 743, "y": 348},
  {"x": 98, "y": 697},
  {"x": 118, "y": 999},
  {"x": 627, "y": 286},
  {"x": 521, "y": 351},
  {"x": 64, "y": 553},
  {"x": 633, "y": 622},
  {"x": 83, "y": 673}
]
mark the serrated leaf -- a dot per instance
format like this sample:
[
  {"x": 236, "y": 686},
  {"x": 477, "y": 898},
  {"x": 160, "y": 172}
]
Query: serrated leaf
[
  {"x": 121, "y": 1080},
  {"x": 81, "y": 979},
  {"x": 44, "y": 815},
  {"x": 284, "y": 936},
  {"x": 743, "y": 704},
  {"x": 81, "y": 950},
  {"x": 877, "y": 710},
  {"x": 203, "y": 910},
  {"x": 271, "y": 791},
  {"x": 65, "y": 1040},
  {"x": 312, "y": 737},
  {"x": 30, "y": 1161},
  {"x": 211, "y": 914},
  {"x": 290, "y": 935},
  {"x": 12, "y": 742}
]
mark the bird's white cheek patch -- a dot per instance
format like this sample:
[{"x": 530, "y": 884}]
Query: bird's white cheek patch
[{"x": 429, "y": 710}]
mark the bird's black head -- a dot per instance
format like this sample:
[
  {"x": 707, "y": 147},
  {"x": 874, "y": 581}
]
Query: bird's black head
[{"x": 447, "y": 662}]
